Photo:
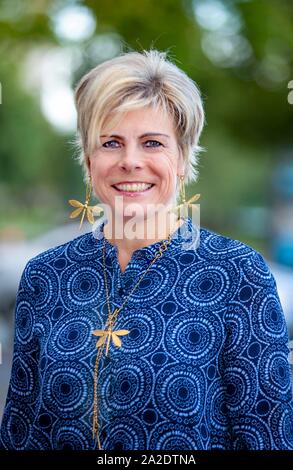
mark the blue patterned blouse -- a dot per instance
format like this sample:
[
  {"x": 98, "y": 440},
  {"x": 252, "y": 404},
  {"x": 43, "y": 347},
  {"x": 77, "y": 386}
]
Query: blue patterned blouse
[{"x": 205, "y": 365}]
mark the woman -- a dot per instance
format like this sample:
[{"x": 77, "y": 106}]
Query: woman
[{"x": 131, "y": 337}]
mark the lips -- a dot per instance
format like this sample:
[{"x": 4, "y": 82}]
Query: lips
[{"x": 133, "y": 187}]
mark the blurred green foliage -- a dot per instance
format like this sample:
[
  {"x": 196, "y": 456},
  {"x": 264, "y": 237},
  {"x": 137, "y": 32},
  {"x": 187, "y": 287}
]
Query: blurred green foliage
[{"x": 249, "y": 119}]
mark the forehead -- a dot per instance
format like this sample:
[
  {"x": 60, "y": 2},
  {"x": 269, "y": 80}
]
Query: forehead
[{"x": 140, "y": 121}]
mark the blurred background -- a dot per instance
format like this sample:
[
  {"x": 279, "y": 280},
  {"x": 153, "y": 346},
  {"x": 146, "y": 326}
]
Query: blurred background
[{"x": 240, "y": 53}]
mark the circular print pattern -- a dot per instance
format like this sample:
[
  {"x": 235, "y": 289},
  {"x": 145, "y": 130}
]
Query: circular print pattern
[
  {"x": 24, "y": 322},
  {"x": 81, "y": 286},
  {"x": 45, "y": 284},
  {"x": 146, "y": 330},
  {"x": 274, "y": 372},
  {"x": 66, "y": 437},
  {"x": 205, "y": 286},
  {"x": 238, "y": 328},
  {"x": 193, "y": 339},
  {"x": 125, "y": 387},
  {"x": 24, "y": 379},
  {"x": 216, "y": 407},
  {"x": 267, "y": 321},
  {"x": 67, "y": 389},
  {"x": 206, "y": 354},
  {"x": 256, "y": 270},
  {"x": 155, "y": 286},
  {"x": 179, "y": 438},
  {"x": 18, "y": 425},
  {"x": 71, "y": 337},
  {"x": 281, "y": 425},
  {"x": 124, "y": 434},
  {"x": 251, "y": 433},
  {"x": 179, "y": 394},
  {"x": 241, "y": 384},
  {"x": 223, "y": 245},
  {"x": 83, "y": 248},
  {"x": 40, "y": 440}
]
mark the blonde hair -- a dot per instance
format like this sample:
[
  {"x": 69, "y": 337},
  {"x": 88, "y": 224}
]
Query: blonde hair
[{"x": 135, "y": 80}]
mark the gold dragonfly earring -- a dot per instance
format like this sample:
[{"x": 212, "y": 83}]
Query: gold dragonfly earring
[
  {"x": 183, "y": 206},
  {"x": 85, "y": 208}
]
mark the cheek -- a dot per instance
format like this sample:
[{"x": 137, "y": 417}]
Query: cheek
[
  {"x": 98, "y": 168},
  {"x": 98, "y": 176},
  {"x": 166, "y": 170}
]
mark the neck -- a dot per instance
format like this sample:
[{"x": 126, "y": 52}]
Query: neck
[{"x": 130, "y": 236}]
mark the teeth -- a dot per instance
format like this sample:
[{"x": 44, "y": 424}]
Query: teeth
[{"x": 133, "y": 187}]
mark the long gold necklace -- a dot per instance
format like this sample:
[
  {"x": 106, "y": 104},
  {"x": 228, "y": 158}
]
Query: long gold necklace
[{"x": 109, "y": 334}]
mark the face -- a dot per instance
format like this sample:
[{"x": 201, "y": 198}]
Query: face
[{"x": 138, "y": 161}]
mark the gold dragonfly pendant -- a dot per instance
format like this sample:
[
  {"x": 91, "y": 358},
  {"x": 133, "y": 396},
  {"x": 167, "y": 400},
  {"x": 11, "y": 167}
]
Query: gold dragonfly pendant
[
  {"x": 182, "y": 208},
  {"x": 109, "y": 333},
  {"x": 85, "y": 208}
]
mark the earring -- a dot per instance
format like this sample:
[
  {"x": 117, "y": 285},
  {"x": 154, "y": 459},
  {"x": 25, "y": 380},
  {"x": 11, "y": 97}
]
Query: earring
[
  {"x": 182, "y": 208},
  {"x": 85, "y": 208}
]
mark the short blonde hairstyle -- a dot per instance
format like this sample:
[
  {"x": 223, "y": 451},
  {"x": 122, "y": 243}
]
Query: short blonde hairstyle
[{"x": 135, "y": 80}]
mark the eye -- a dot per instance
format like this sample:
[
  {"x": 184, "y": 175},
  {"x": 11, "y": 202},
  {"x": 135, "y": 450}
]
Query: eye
[
  {"x": 154, "y": 143},
  {"x": 109, "y": 143}
]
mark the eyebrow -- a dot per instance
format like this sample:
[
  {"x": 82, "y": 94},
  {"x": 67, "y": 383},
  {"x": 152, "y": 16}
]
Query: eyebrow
[{"x": 146, "y": 134}]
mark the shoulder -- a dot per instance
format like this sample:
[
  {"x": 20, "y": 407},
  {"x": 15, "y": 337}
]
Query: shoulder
[
  {"x": 42, "y": 276},
  {"x": 244, "y": 263},
  {"x": 251, "y": 286},
  {"x": 216, "y": 246},
  {"x": 81, "y": 248}
]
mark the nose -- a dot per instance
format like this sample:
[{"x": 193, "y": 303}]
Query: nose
[{"x": 130, "y": 158}]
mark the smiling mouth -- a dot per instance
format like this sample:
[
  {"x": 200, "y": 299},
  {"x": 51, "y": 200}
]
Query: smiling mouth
[{"x": 137, "y": 188}]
